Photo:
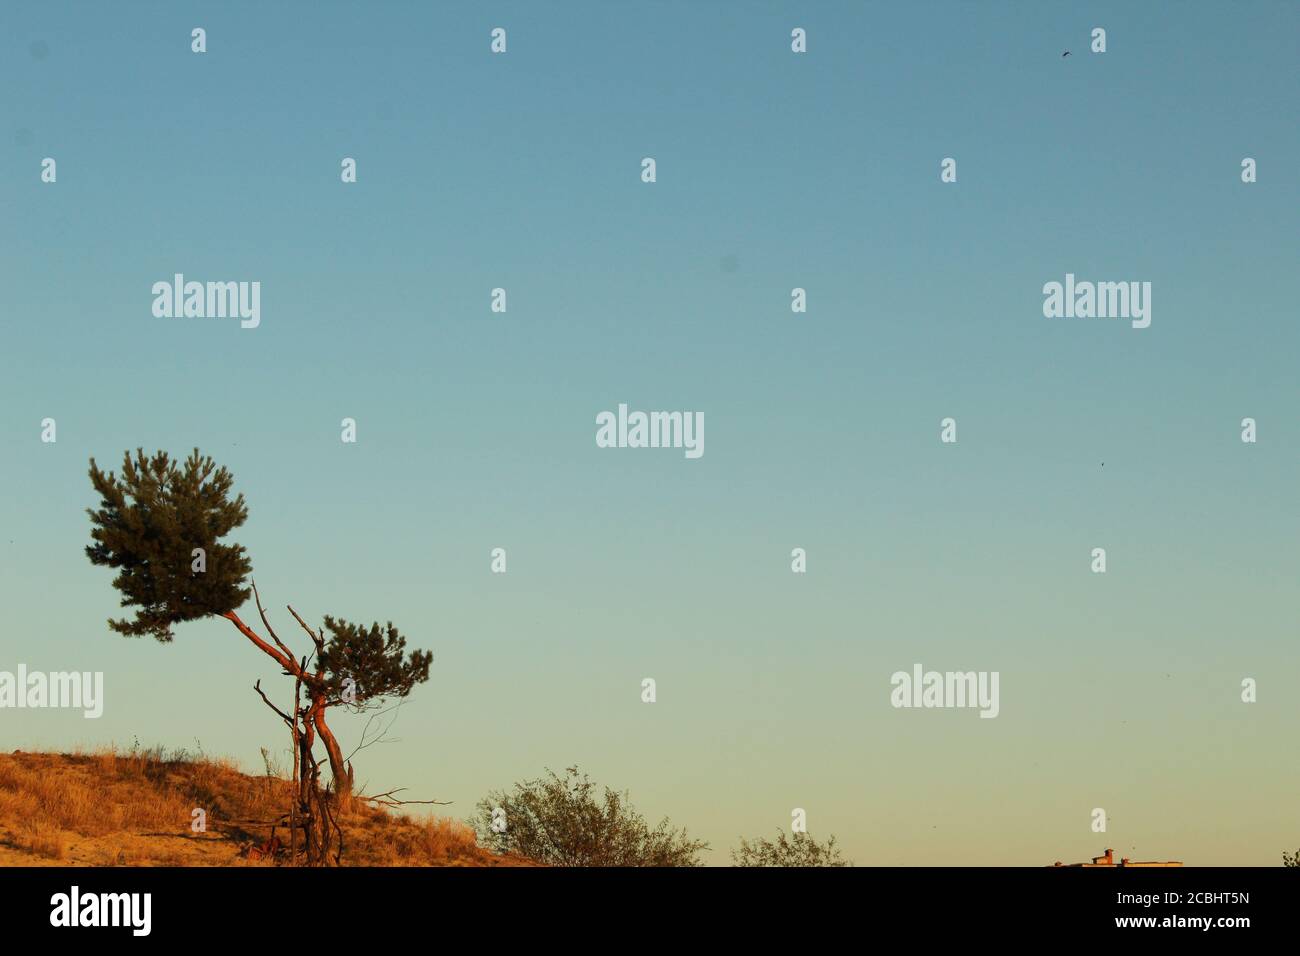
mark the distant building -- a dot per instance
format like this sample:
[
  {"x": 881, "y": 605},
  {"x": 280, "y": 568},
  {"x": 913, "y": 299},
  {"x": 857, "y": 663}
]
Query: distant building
[{"x": 1109, "y": 860}]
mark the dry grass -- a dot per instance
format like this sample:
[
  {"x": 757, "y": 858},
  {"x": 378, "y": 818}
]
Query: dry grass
[
  {"x": 45, "y": 841},
  {"x": 108, "y": 808},
  {"x": 429, "y": 842}
]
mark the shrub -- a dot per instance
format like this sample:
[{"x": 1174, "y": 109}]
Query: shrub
[
  {"x": 797, "y": 850},
  {"x": 564, "y": 821}
]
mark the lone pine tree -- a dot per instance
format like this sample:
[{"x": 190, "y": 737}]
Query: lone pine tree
[{"x": 161, "y": 525}]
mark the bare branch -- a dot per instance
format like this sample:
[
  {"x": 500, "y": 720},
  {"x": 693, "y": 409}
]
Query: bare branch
[
  {"x": 283, "y": 716},
  {"x": 286, "y": 661},
  {"x": 269, "y": 629},
  {"x": 379, "y": 739},
  {"x": 389, "y": 800},
  {"x": 316, "y": 638}
]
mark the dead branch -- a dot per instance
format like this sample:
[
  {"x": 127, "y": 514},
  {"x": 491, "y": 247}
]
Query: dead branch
[
  {"x": 284, "y": 660},
  {"x": 388, "y": 799},
  {"x": 269, "y": 629},
  {"x": 366, "y": 730},
  {"x": 283, "y": 716},
  {"x": 316, "y": 638}
]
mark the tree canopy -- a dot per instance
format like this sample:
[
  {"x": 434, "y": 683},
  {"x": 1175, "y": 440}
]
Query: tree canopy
[
  {"x": 149, "y": 524},
  {"x": 374, "y": 658}
]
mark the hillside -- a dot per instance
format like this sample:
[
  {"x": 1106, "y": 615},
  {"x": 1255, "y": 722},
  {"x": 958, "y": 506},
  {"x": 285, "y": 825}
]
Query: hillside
[{"x": 135, "y": 809}]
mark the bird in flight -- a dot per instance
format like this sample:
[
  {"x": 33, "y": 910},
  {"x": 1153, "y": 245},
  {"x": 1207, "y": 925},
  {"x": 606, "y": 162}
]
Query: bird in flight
[{"x": 1066, "y": 53}]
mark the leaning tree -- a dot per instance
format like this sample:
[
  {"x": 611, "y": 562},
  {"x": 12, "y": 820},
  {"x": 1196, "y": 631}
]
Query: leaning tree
[{"x": 161, "y": 525}]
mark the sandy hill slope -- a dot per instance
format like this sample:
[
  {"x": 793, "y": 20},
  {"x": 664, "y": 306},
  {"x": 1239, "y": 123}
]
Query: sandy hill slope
[{"x": 135, "y": 809}]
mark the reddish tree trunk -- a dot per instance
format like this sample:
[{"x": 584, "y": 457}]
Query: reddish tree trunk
[{"x": 340, "y": 769}]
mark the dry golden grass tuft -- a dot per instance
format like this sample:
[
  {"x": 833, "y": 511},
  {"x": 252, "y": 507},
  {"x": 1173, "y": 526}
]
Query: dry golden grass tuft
[
  {"x": 108, "y": 808},
  {"x": 427, "y": 842},
  {"x": 45, "y": 841}
]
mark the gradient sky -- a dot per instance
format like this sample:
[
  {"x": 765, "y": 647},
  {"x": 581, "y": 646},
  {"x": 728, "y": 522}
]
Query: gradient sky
[{"x": 477, "y": 430}]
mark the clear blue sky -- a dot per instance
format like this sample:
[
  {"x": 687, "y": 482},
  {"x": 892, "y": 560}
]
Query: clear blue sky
[{"x": 476, "y": 430}]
